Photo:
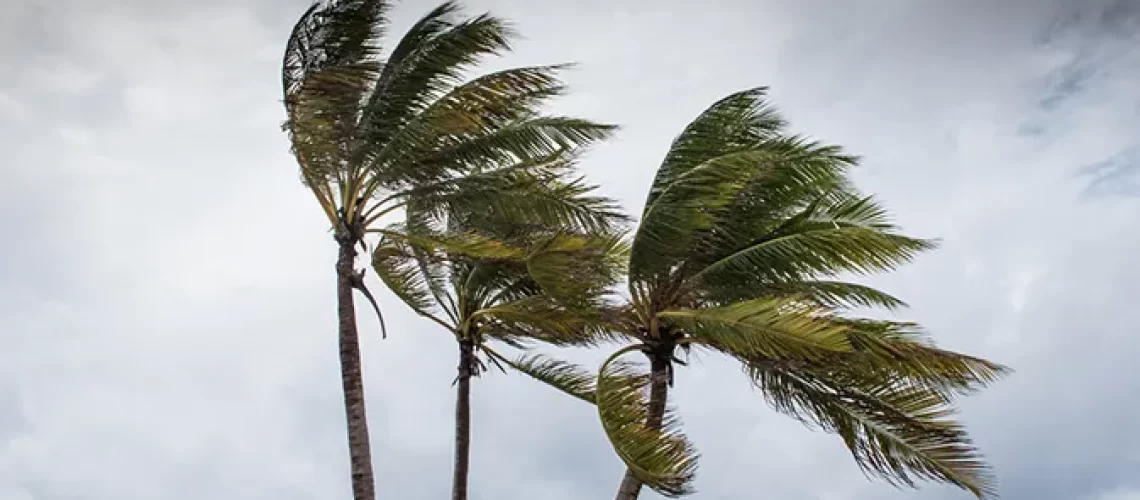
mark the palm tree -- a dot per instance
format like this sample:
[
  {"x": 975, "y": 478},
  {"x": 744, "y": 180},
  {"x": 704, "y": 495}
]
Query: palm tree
[
  {"x": 515, "y": 277},
  {"x": 741, "y": 248},
  {"x": 371, "y": 133}
]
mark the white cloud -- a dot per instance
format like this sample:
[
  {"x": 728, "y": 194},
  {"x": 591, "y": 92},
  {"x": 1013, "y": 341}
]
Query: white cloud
[
  {"x": 1118, "y": 494},
  {"x": 10, "y": 107}
]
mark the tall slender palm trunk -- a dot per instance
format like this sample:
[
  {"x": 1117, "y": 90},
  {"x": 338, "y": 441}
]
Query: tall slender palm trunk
[
  {"x": 352, "y": 379},
  {"x": 630, "y": 487},
  {"x": 463, "y": 420}
]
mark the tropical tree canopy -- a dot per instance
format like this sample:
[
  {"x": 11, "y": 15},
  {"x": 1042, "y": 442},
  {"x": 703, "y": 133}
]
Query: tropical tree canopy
[
  {"x": 531, "y": 273},
  {"x": 746, "y": 238},
  {"x": 537, "y": 271},
  {"x": 371, "y": 132}
]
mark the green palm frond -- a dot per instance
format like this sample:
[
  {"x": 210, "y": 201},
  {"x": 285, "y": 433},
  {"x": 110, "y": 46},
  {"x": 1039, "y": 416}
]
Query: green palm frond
[
  {"x": 437, "y": 20},
  {"x": 429, "y": 26},
  {"x": 773, "y": 328},
  {"x": 536, "y": 194},
  {"x": 832, "y": 295},
  {"x": 331, "y": 34},
  {"x": 328, "y": 67},
  {"x": 416, "y": 276},
  {"x": 485, "y": 121},
  {"x": 469, "y": 244},
  {"x": 818, "y": 250},
  {"x": 487, "y": 283},
  {"x": 903, "y": 352},
  {"x": 540, "y": 318},
  {"x": 436, "y": 199},
  {"x": 669, "y": 227},
  {"x": 527, "y": 137},
  {"x": 318, "y": 126},
  {"x": 556, "y": 294},
  {"x": 850, "y": 235},
  {"x": 783, "y": 197},
  {"x": 847, "y": 208},
  {"x": 623, "y": 319},
  {"x": 535, "y": 137},
  {"x": 686, "y": 216},
  {"x": 428, "y": 62},
  {"x": 898, "y": 433},
  {"x": 566, "y": 377},
  {"x": 398, "y": 270},
  {"x": 734, "y": 124},
  {"x": 578, "y": 269},
  {"x": 546, "y": 202},
  {"x": 657, "y": 453}
]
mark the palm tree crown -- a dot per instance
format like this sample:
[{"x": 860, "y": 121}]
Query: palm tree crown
[
  {"x": 371, "y": 133},
  {"x": 514, "y": 277},
  {"x": 741, "y": 250}
]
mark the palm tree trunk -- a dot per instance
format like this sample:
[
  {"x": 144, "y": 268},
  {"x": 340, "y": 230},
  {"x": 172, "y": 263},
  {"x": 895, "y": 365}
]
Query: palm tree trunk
[
  {"x": 630, "y": 487},
  {"x": 352, "y": 380},
  {"x": 463, "y": 420}
]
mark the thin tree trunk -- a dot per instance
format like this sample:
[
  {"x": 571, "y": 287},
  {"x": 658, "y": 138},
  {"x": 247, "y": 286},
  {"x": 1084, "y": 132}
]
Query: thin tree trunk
[
  {"x": 463, "y": 420},
  {"x": 630, "y": 487},
  {"x": 352, "y": 380}
]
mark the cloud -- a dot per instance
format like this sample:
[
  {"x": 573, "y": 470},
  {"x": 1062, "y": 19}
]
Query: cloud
[
  {"x": 1120, "y": 495},
  {"x": 167, "y": 301}
]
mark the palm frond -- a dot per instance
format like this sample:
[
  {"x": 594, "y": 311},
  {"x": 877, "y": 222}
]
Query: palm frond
[
  {"x": 733, "y": 124},
  {"x": 468, "y": 244},
  {"x": 903, "y": 352},
  {"x": 486, "y": 121},
  {"x": 436, "y": 21},
  {"x": 833, "y": 295},
  {"x": 328, "y": 67},
  {"x": 669, "y": 227},
  {"x": 333, "y": 33},
  {"x": 415, "y": 278},
  {"x": 622, "y": 318},
  {"x": 578, "y": 269},
  {"x": 777, "y": 328},
  {"x": 847, "y": 208},
  {"x": 435, "y": 197},
  {"x": 898, "y": 433},
  {"x": 660, "y": 456},
  {"x": 534, "y": 193},
  {"x": 566, "y": 377},
  {"x": 428, "y": 62},
  {"x": 555, "y": 294},
  {"x": 543, "y": 319},
  {"x": 817, "y": 249},
  {"x": 532, "y": 137},
  {"x": 686, "y": 216},
  {"x": 320, "y": 121}
]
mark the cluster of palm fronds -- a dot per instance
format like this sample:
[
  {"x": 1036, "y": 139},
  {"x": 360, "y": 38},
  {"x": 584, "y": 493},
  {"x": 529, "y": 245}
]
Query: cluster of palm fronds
[{"x": 480, "y": 223}]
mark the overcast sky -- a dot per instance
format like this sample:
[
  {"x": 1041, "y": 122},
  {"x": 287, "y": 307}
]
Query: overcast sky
[{"x": 166, "y": 284}]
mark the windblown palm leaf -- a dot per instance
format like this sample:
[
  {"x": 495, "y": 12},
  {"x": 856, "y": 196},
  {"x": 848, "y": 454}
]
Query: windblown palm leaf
[
  {"x": 777, "y": 328},
  {"x": 897, "y": 432},
  {"x": 742, "y": 248},
  {"x": 645, "y": 432},
  {"x": 566, "y": 377}
]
